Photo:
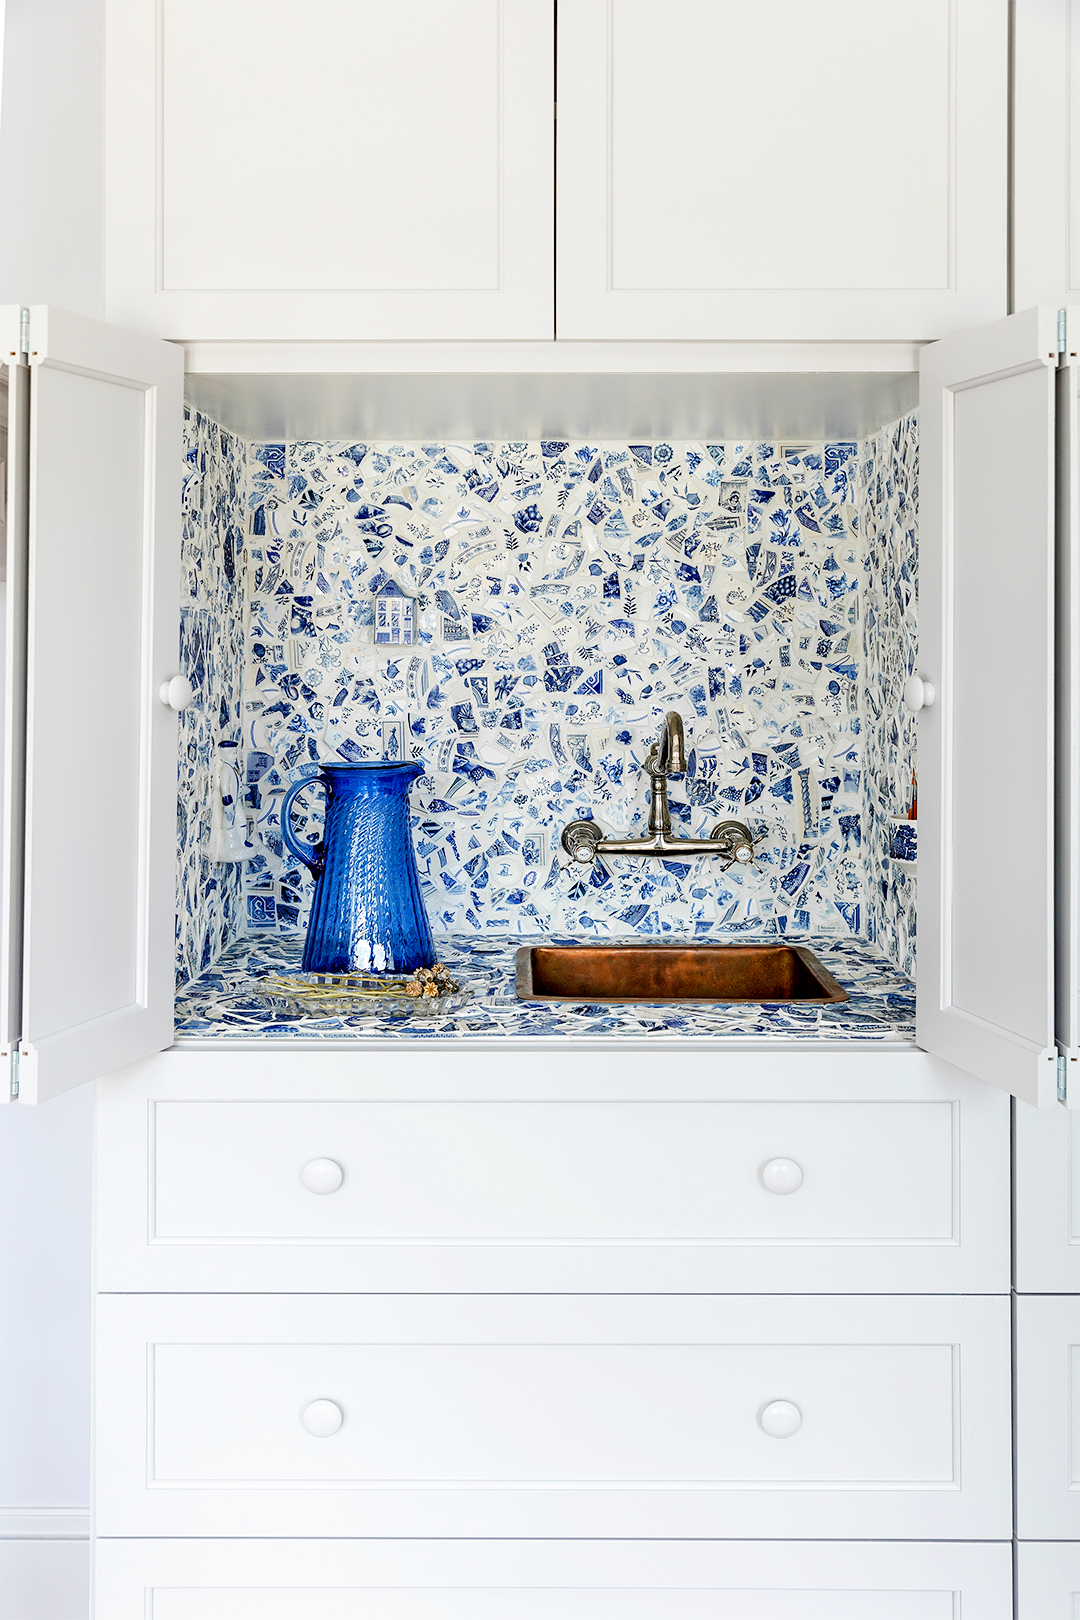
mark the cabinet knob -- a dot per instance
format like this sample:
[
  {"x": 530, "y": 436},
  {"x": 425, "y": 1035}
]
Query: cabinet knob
[
  {"x": 322, "y": 1176},
  {"x": 781, "y": 1176},
  {"x": 324, "y": 1418},
  {"x": 177, "y": 693},
  {"x": 918, "y": 694},
  {"x": 779, "y": 1418}
]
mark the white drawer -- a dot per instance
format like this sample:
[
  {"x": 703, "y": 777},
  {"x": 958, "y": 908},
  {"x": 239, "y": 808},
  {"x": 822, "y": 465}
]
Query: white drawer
[
  {"x": 1047, "y": 1200},
  {"x": 569, "y": 1172},
  {"x": 1048, "y": 1580},
  {"x": 558, "y": 1416},
  {"x": 447, "y": 1580},
  {"x": 1048, "y": 1417}
]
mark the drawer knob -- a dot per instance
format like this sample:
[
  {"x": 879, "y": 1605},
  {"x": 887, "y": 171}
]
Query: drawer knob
[
  {"x": 779, "y": 1418},
  {"x": 782, "y": 1176},
  {"x": 324, "y": 1418},
  {"x": 322, "y": 1176}
]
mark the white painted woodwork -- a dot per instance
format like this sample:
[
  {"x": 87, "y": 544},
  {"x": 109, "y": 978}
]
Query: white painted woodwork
[
  {"x": 553, "y": 1416},
  {"x": 402, "y": 155},
  {"x": 607, "y": 1170},
  {"x": 1048, "y": 1417},
  {"x": 1047, "y": 1201},
  {"x": 12, "y": 808},
  {"x": 553, "y": 1580},
  {"x": 1048, "y": 1580},
  {"x": 688, "y": 130},
  {"x": 1067, "y": 713},
  {"x": 985, "y": 990},
  {"x": 1046, "y": 153},
  {"x": 100, "y": 813}
]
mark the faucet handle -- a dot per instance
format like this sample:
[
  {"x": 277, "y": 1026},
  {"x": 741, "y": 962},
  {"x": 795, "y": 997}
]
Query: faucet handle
[
  {"x": 737, "y": 843},
  {"x": 579, "y": 839}
]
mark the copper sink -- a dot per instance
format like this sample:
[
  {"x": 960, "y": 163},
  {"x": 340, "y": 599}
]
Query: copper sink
[{"x": 634, "y": 972}]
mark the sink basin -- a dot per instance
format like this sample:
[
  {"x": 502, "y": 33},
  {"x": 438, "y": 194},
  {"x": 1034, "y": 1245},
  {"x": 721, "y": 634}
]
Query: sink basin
[{"x": 673, "y": 973}]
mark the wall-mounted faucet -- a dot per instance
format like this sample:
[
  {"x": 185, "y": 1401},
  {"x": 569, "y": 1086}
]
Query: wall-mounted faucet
[{"x": 731, "y": 840}]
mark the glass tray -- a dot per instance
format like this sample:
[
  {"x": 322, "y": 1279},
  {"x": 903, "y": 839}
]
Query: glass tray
[{"x": 352, "y": 995}]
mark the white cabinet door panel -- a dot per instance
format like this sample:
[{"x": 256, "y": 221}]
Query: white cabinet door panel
[
  {"x": 1048, "y": 1417},
  {"x": 764, "y": 169},
  {"x": 551, "y": 1580},
  {"x": 102, "y": 599},
  {"x": 485, "y": 1416},
  {"x": 351, "y": 170},
  {"x": 1048, "y": 1580},
  {"x": 1046, "y": 153},
  {"x": 581, "y": 1179},
  {"x": 985, "y": 974},
  {"x": 1047, "y": 1201}
]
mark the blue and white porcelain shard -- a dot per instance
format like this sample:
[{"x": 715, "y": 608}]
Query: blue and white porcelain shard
[{"x": 566, "y": 595}]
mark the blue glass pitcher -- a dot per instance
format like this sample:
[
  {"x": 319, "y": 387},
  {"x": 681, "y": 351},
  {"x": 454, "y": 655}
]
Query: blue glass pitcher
[{"x": 368, "y": 914}]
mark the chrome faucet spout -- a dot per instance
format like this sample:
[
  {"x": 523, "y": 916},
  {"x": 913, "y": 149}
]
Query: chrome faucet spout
[{"x": 671, "y": 749}]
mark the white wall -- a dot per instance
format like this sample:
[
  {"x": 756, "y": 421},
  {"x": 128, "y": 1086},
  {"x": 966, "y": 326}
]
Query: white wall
[{"x": 51, "y": 155}]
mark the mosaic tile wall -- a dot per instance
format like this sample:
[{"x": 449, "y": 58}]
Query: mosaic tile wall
[
  {"x": 888, "y": 503},
  {"x": 566, "y": 595},
  {"x": 209, "y": 899}
]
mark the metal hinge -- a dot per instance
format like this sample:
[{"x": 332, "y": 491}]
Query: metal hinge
[
  {"x": 14, "y": 1074},
  {"x": 1062, "y": 1076},
  {"x": 1061, "y": 334},
  {"x": 24, "y": 331}
]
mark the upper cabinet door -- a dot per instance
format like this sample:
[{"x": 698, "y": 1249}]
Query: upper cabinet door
[
  {"x": 781, "y": 169},
  {"x": 97, "y": 779},
  {"x": 1067, "y": 933},
  {"x": 331, "y": 169},
  {"x": 1046, "y": 153},
  {"x": 985, "y": 992}
]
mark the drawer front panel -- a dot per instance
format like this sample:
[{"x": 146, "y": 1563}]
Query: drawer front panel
[
  {"x": 531, "y": 1171},
  {"x": 553, "y": 1416},
  {"x": 1048, "y": 1200},
  {"x": 741, "y": 1187},
  {"x": 338, "y": 1580}
]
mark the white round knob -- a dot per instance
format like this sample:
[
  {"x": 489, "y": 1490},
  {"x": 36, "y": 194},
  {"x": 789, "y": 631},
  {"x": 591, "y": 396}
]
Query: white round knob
[
  {"x": 779, "y": 1418},
  {"x": 177, "y": 693},
  {"x": 324, "y": 1418},
  {"x": 744, "y": 852},
  {"x": 322, "y": 1176},
  {"x": 781, "y": 1176},
  {"x": 584, "y": 853},
  {"x": 918, "y": 694}
]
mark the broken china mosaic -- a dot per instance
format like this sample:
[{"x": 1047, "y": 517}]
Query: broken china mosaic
[
  {"x": 209, "y": 897},
  {"x": 519, "y": 616},
  {"x": 888, "y": 505}
]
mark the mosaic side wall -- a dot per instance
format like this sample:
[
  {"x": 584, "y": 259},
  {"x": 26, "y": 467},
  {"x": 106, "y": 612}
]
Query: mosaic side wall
[
  {"x": 888, "y": 501},
  {"x": 566, "y": 595},
  {"x": 209, "y": 897}
]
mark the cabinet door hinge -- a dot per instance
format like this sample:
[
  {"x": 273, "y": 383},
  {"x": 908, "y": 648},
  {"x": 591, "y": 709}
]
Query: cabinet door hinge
[
  {"x": 14, "y": 1074},
  {"x": 1062, "y": 1077},
  {"x": 24, "y": 331},
  {"x": 1061, "y": 330}
]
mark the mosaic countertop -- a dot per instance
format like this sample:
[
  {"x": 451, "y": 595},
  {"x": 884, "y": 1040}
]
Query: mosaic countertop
[{"x": 223, "y": 1003}]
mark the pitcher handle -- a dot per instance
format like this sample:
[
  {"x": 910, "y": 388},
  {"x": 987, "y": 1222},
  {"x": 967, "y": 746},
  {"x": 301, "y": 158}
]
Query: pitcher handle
[{"x": 311, "y": 855}]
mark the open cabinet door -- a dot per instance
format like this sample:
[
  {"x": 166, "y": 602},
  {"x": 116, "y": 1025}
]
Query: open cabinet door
[
  {"x": 86, "y": 983},
  {"x": 985, "y": 990},
  {"x": 1067, "y": 931}
]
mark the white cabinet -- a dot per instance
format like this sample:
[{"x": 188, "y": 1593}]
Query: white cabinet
[
  {"x": 553, "y": 1416},
  {"x": 351, "y": 169},
  {"x": 553, "y": 1580},
  {"x": 1047, "y": 1201},
  {"x": 1048, "y": 1417},
  {"x": 583, "y": 1178},
  {"x": 1046, "y": 147},
  {"x": 1048, "y": 1580},
  {"x": 781, "y": 168}
]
